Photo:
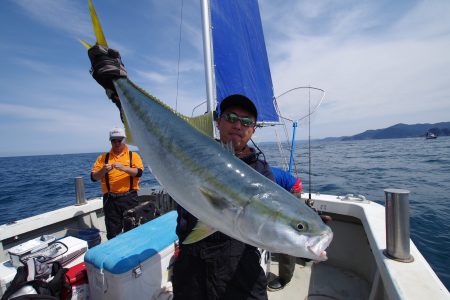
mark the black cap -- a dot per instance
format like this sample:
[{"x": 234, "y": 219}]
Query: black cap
[{"x": 241, "y": 101}]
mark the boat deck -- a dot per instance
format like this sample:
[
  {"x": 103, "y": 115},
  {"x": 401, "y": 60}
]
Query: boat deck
[
  {"x": 356, "y": 267},
  {"x": 320, "y": 281}
]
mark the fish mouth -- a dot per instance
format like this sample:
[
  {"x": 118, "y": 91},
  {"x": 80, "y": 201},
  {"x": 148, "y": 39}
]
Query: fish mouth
[{"x": 317, "y": 245}]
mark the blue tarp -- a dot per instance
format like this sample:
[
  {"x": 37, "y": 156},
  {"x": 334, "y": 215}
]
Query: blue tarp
[{"x": 240, "y": 57}]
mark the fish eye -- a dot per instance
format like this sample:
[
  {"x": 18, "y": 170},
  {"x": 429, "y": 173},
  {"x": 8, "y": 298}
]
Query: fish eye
[{"x": 300, "y": 226}]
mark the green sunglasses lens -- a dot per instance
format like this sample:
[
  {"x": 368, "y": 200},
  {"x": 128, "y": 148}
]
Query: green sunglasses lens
[
  {"x": 247, "y": 122},
  {"x": 232, "y": 118}
]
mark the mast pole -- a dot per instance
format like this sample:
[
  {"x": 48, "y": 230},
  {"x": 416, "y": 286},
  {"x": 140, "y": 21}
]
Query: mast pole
[{"x": 208, "y": 55}]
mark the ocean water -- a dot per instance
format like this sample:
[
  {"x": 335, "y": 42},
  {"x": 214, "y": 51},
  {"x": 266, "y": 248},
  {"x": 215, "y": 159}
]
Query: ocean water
[{"x": 35, "y": 184}]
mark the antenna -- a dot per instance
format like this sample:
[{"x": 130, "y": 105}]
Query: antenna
[
  {"x": 179, "y": 54},
  {"x": 309, "y": 142}
]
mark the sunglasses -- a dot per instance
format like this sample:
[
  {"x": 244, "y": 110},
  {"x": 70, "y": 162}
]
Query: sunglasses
[
  {"x": 116, "y": 140},
  {"x": 233, "y": 118}
]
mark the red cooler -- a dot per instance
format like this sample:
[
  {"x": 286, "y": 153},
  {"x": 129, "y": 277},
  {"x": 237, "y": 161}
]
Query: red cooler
[{"x": 77, "y": 278}]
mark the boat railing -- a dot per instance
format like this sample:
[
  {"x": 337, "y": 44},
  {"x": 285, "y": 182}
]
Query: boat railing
[
  {"x": 79, "y": 191},
  {"x": 397, "y": 225},
  {"x": 71, "y": 219}
]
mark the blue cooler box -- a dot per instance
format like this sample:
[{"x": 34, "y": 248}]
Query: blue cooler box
[{"x": 135, "y": 264}]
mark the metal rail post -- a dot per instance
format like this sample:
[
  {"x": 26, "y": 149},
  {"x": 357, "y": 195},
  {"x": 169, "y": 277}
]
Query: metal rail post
[
  {"x": 397, "y": 225},
  {"x": 79, "y": 190}
]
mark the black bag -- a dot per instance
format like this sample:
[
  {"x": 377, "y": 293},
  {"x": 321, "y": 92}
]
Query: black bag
[
  {"x": 139, "y": 215},
  {"x": 45, "y": 290}
]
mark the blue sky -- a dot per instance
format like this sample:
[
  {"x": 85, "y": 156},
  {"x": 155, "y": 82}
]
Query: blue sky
[{"x": 380, "y": 63}]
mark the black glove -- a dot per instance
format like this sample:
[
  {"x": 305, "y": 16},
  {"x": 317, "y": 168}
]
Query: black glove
[{"x": 106, "y": 66}]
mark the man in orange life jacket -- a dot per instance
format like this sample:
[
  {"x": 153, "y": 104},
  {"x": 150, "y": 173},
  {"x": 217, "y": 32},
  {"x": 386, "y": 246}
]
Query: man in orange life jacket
[{"x": 120, "y": 171}]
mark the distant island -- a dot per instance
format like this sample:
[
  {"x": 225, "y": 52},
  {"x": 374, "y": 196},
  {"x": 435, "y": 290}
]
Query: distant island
[{"x": 399, "y": 131}]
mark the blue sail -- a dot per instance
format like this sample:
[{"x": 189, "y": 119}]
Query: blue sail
[{"x": 241, "y": 65}]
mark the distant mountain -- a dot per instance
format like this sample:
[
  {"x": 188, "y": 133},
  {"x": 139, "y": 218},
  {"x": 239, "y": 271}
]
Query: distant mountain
[{"x": 402, "y": 131}]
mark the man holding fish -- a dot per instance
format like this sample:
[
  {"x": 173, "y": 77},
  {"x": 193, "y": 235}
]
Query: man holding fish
[
  {"x": 231, "y": 210},
  {"x": 219, "y": 266}
]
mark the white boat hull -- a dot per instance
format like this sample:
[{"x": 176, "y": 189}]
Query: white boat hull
[{"x": 357, "y": 249}]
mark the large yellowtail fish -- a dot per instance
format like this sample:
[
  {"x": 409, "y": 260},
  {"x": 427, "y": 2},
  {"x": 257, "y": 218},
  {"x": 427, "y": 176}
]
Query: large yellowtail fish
[{"x": 223, "y": 192}]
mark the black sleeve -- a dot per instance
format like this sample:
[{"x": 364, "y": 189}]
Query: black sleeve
[
  {"x": 264, "y": 168},
  {"x": 92, "y": 177},
  {"x": 185, "y": 223},
  {"x": 268, "y": 171}
]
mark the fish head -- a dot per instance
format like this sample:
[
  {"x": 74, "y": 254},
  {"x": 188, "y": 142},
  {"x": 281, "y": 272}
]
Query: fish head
[
  {"x": 305, "y": 238},
  {"x": 293, "y": 229},
  {"x": 302, "y": 235}
]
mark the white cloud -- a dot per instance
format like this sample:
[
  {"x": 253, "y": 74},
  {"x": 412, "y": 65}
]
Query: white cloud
[
  {"x": 35, "y": 66},
  {"x": 428, "y": 19},
  {"x": 66, "y": 15},
  {"x": 48, "y": 115},
  {"x": 380, "y": 78},
  {"x": 154, "y": 77}
]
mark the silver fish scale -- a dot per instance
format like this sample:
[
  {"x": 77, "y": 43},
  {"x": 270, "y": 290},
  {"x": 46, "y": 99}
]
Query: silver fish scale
[{"x": 246, "y": 205}]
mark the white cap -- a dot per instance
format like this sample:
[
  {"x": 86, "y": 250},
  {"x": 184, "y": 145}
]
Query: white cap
[{"x": 117, "y": 133}]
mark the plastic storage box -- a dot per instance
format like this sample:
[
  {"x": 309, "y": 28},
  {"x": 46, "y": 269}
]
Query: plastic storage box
[
  {"x": 135, "y": 264},
  {"x": 28, "y": 247}
]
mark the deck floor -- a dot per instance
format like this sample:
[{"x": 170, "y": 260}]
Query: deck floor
[{"x": 315, "y": 281}]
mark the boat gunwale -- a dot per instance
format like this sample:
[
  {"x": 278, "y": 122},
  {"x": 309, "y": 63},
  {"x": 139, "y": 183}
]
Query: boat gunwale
[
  {"x": 414, "y": 280},
  {"x": 11, "y": 230}
]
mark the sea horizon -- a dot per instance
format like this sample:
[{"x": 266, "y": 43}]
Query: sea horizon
[{"x": 302, "y": 141}]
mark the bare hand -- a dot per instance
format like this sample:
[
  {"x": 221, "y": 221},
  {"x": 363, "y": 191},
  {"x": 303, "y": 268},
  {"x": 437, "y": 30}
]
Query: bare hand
[
  {"x": 118, "y": 166},
  {"x": 107, "y": 167}
]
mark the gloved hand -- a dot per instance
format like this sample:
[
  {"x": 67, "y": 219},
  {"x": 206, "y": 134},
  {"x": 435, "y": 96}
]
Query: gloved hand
[{"x": 106, "y": 66}]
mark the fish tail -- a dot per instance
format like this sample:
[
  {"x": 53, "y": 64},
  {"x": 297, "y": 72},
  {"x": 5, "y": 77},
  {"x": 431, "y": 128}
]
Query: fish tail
[
  {"x": 203, "y": 123},
  {"x": 85, "y": 44},
  {"x": 101, "y": 40}
]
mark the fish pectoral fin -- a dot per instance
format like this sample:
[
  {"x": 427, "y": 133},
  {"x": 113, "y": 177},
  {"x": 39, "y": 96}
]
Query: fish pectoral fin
[
  {"x": 200, "y": 231},
  {"x": 213, "y": 198}
]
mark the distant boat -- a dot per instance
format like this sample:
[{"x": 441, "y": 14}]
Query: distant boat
[{"x": 430, "y": 136}]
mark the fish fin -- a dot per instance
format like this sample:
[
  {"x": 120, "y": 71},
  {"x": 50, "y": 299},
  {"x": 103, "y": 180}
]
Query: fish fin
[
  {"x": 85, "y": 44},
  {"x": 203, "y": 123},
  {"x": 200, "y": 231},
  {"x": 130, "y": 139},
  {"x": 214, "y": 199},
  {"x": 101, "y": 40}
]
